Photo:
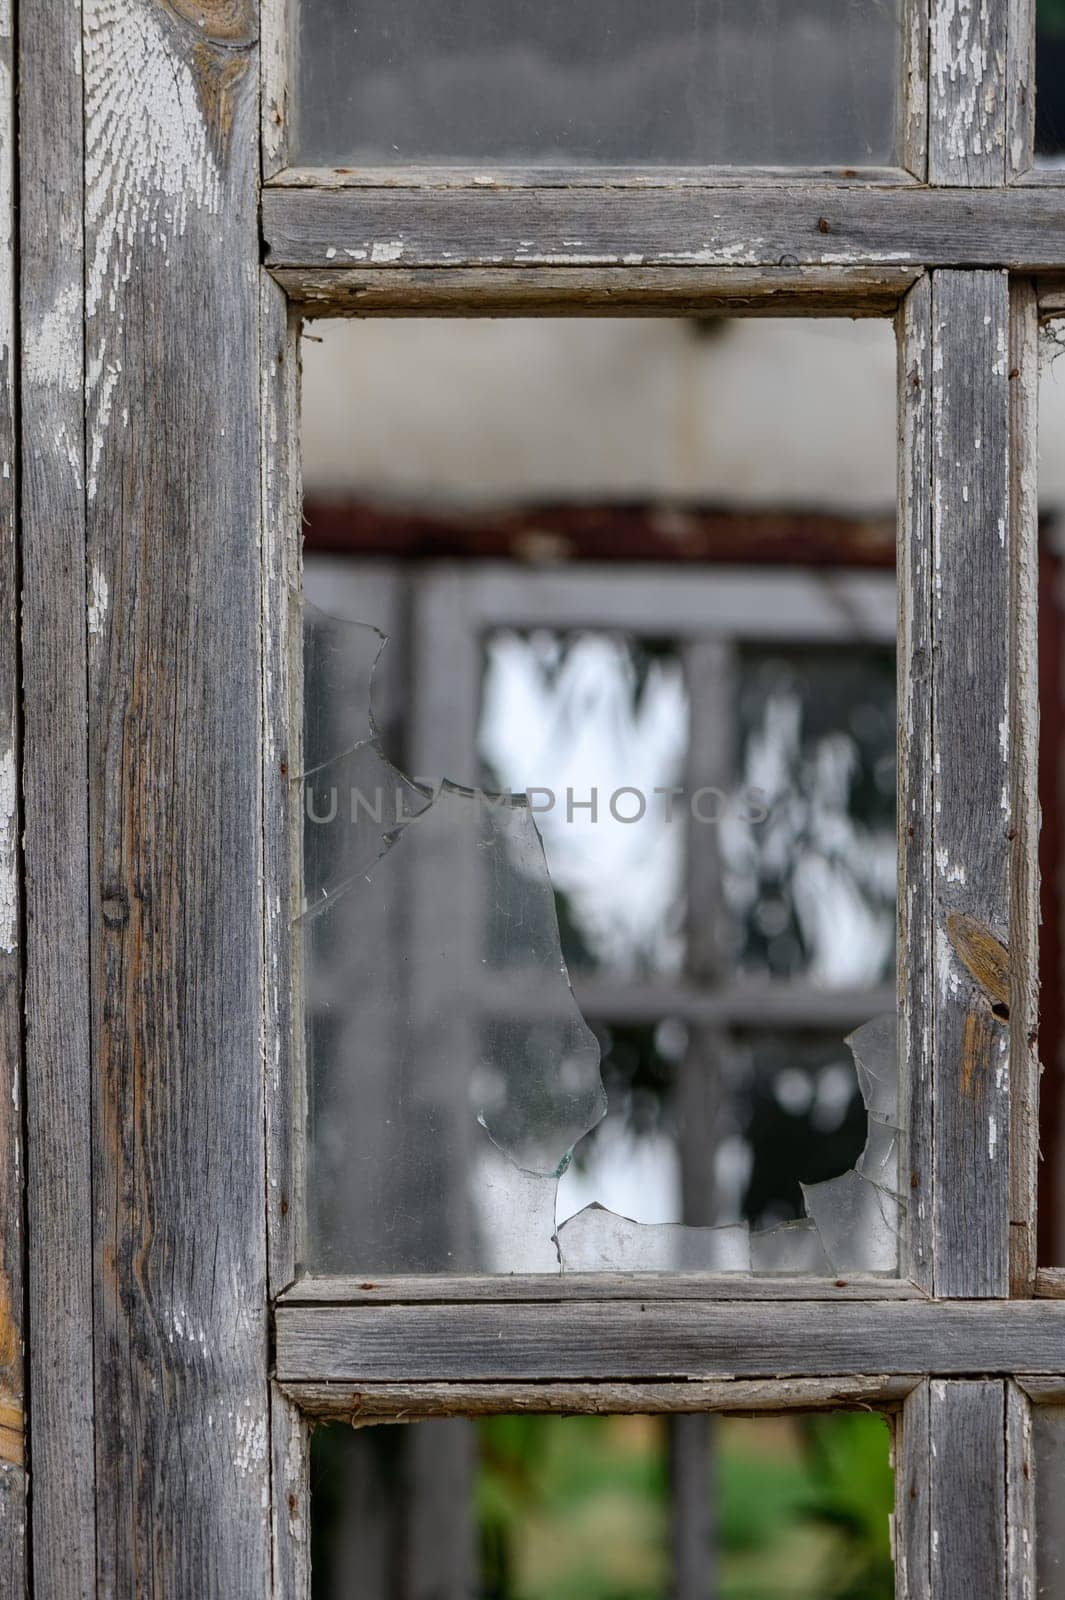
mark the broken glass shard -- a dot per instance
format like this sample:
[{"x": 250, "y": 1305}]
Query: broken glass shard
[{"x": 452, "y": 1076}]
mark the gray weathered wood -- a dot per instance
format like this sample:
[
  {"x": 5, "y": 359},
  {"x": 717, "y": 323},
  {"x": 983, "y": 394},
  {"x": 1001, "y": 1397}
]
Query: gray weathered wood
[
  {"x": 1020, "y": 87},
  {"x": 913, "y": 1510},
  {"x": 968, "y": 1490},
  {"x": 1020, "y": 1496},
  {"x": 972, "y": 816},
  {"x": 914, "y": 575},
  {"x": 967, "y": 92},
  {"x": 717, "y": 1286},
  {"x": 281, "y": 1001},
  {"x": 914, "y": 132},
  {"x": 57, "y": 1060},
  {"x": 1024, "y": 785},
  {"x": 628, "y": 179},
  {"x": 407, "y": 1402},
  {"x": 275, "y": 49},
  {"x": 659, "y": 1340},
  {"x": 577, "y": 291},
  {"x": 1050, "y": 1283},
  {"x": 175, "y": 800},
  {"x": 13, "y": 1478},
  {"x": 758, "y": 226}
]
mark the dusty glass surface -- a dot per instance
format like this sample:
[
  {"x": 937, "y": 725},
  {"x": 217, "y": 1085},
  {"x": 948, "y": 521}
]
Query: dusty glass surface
[
  {"x": 1048, "y": 1438},
  {"x": 597, "y": 895},
  {"x": 605, "y": 1508},
  {"x": 597, "y": 82}
]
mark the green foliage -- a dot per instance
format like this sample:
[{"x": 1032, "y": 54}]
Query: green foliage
[
  {"x": 1050, "y": 16},
  {"x": 578, "y": 1509}
]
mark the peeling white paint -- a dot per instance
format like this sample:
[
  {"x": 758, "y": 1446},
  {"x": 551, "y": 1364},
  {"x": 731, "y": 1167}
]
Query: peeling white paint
[
  {"x": 99, "y": 600},
  {"x": 53, "y": 343},
  {"x": 8, "y": 864},
  {"x": 386, "y": 250}
]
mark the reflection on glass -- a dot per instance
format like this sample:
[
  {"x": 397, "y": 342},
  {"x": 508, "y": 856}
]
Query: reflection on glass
[
  {"x": 812, "y": 880},
  {"x": 1050, "y": 82},
  {"x": 614, "y": 82},
  {"x": 605, "y": 1508},
  {"x": 596, "y": 726},
  {"x": 453, "y": 1077}
]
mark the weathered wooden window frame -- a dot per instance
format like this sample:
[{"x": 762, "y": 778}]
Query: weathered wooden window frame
[{"x": 149, "y": 488}]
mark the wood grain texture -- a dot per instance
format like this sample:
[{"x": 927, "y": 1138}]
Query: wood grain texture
[
  {"x": 275, "y": 49},
  {"x": 968, "y": 1490},
  {"x": 57, "y": 1006},
  {"x": 175, "y": 800},
  {"x": 754, "y": 226},
  {"x": 13, "y": 1475},
  {"x": 971, "y": 742},
  {"x": 282, "y": 689},
  {"x": 914, "y": 661},
  {"x": 631, "y": 180},
  {"x": 967, "y": 92},
  {"x": 656, "y": 1341},
  {"x": 913, "y": 1496},
  {"x": 517, "y": 1287},
  {"x": 1020, "y": 87},
  {"x": 1020, "y": 1496},
  {"x": 408, "y": 1402},
  {"x": 914, "y": 132},
  {"x": 1024, "y": 787},
  {"x": 576, "y": 291}
]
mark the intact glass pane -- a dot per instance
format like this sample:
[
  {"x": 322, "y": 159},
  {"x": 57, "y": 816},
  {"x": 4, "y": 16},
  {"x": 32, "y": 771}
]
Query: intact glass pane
[
  {"x": 598, "y": 82},
  {"x": 793, "y": 1507},
  {"x": 597, "y": 932}
]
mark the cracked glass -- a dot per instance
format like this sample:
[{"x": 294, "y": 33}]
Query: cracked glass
[
  {"x": 686, "y": 82},
  {"x": 597, "y": 925}
]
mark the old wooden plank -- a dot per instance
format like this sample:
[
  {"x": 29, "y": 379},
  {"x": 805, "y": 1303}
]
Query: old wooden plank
[
  {"x": 913, "y": 1490},
  {"x": 1020, "y": 1496},
  {"x": 627, "y": 179},
  {"x": 913, "y": 140},
  {"x": 971, "y": 736},
  {"x": 967, "y": 92},
  {"x": 13, "y": 1477},
  {"x": 578, "y": 291},
  {"x": 175, "y": 800},
  {"x": 1050, "y": 1283},
  {"x": 275, "y": 49},
  {"x": 56, "y": 858},
  {"x": 281, "y": 1004},
  {"x": 747, "y": 227},
  {"x": 408, "y": 1402},
  {"x": 968, "y": 1490},
  {"x": 1024, "y": 787},
  {"x": 657, "y": 1340},
  {"x": 1020, "y": 87},
  {"x": 336, "y": 1290},
  {"x": 914, "y": 659}
]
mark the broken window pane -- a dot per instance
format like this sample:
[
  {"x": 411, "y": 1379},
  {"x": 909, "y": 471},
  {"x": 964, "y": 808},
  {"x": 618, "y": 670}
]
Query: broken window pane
[
  {"x": 594, "y": 897},
  {"x": 1050, "y": 83},
  {"x": 810, "y": 82},
  {"x": 794, "y": 1507}
]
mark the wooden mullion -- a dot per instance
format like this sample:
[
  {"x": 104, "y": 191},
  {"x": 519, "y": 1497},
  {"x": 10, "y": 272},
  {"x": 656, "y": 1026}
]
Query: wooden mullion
[
  {"x": 1024, "y": 787},
  {"x": 659, "y": 1340},
  {"x": 13, "y": 1475},
  {"x": 172, "y": 412},
  {"x": 913, "y": 106},
  {"x": 748, "y": 228},
  {"x": 1021, "y": 1530},
  {"x": 967, "y": 92},
  {"x": 971, "y": 796},
  {"x": 1020, "y": 87},
  {"x": 58, "y": 619},
  {"x": 913, "y": 1508},
  {"x": 967, "y": 1489},
  {"x": 914, "y": 667}
]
